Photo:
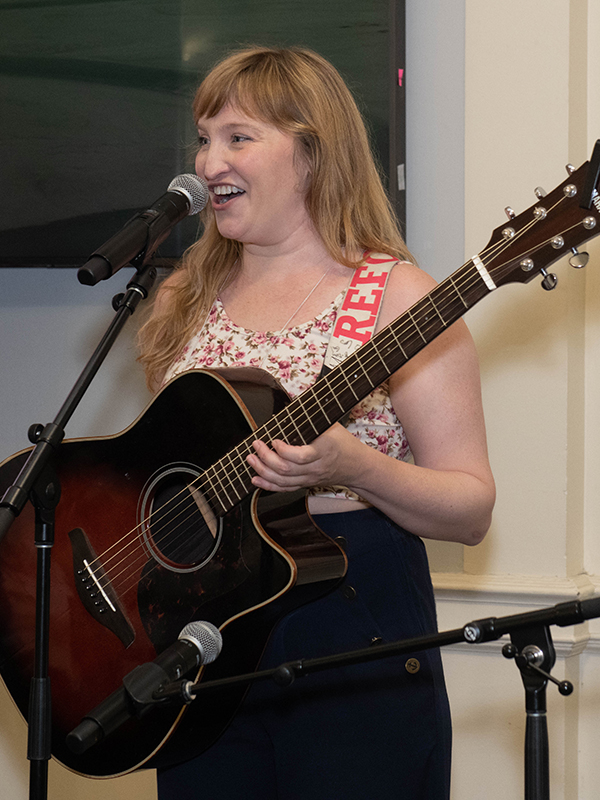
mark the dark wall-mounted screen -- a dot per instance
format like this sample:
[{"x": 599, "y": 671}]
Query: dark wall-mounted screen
[{"x": 95, "y": 104}]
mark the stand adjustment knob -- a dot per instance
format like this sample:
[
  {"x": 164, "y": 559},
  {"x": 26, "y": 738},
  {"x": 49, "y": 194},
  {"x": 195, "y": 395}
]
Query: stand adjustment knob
[
  {"x": 529, "y": 658},
  {"x": 34, "y": 432}
]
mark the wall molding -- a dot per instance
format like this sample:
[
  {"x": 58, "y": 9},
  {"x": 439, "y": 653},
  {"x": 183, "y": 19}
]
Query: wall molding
[{"x": 462, "y": 598}]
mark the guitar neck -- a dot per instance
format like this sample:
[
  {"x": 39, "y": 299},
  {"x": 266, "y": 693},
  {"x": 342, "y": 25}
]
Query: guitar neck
[{"x": 310, "y": 414}]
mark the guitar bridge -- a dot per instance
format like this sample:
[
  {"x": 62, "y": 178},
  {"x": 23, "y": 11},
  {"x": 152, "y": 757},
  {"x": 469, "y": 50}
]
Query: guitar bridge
[{"x": 95, "y": 590}]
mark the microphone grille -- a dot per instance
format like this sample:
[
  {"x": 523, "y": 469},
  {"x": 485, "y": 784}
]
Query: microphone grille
[
  {"x": 195, "y": 189},
  {"x": 207, "y": 638}
]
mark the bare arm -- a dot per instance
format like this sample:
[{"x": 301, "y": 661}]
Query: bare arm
[{"x": 448, "y": 493}]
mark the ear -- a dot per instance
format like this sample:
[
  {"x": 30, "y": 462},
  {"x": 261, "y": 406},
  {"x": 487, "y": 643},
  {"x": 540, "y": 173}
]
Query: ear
[{"x": 303, "y": 164}]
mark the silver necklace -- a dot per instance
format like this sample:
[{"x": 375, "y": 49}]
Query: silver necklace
[
  {"x": 306, "y": 299},
  {"x": 268, "y": 343},
  {"x": 287, "y": 323}
]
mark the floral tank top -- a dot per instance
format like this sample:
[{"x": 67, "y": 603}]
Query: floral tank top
[{"x": 295, "y": 357}]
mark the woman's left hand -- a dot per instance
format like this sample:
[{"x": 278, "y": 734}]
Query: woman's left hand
[{"x": 287, "y": 468}]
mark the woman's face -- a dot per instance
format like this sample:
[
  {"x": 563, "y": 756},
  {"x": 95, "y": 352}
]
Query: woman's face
[{"x": 256, "y": 179}]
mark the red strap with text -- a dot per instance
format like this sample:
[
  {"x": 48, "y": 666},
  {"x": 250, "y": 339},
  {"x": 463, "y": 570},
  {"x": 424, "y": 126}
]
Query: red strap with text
[{"x": 357, "y": 317}]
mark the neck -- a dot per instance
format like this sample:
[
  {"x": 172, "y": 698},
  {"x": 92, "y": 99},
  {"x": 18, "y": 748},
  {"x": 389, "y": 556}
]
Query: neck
[{"x": 288, "y": 259}]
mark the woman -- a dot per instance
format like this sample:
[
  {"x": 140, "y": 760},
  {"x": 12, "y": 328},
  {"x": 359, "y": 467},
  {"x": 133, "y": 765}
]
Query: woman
[{"x": 296, "y": 205}]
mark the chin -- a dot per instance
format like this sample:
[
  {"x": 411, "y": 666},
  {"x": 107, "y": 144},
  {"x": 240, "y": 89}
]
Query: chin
[{"x": 229, "y": 231}]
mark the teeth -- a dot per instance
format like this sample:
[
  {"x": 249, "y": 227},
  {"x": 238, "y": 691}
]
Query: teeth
[{"x": 225, "y": 189}]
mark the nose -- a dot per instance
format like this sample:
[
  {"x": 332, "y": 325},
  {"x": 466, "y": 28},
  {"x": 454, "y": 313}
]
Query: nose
[{"x": 211, "y": 162}]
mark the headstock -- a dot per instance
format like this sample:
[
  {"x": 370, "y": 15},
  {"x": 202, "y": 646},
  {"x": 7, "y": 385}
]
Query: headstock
[{"x": 555, "y": 226}]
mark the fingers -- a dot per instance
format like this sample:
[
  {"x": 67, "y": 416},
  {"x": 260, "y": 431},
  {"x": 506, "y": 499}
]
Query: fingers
[{"x": 283, "y": 468}]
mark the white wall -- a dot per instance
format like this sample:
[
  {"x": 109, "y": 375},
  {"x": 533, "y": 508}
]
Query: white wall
[{"x": 531, "y": 104}]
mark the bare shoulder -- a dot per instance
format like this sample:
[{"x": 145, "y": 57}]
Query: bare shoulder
[
  {"x": 452, "y": 349},
  {"x": 406, "y": 285}
]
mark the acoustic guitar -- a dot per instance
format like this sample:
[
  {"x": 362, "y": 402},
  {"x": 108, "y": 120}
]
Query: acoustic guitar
[{"x": 160, "y": 524}]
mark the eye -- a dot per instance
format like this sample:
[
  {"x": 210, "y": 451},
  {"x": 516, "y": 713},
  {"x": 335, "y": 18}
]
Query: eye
[
  {"x": 202, "y": 139},
  {"x": 239, "y": 137}
]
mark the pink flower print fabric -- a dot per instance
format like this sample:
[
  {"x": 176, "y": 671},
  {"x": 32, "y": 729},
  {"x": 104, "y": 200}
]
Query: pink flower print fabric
[{"x": 295, "y": 357}]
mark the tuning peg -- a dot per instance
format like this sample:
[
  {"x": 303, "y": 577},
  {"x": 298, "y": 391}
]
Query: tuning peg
[
  {"x": 509, "y": 212},
  {"x": 570, "y": 169},
  {"x": 549, "y": 281},
  {"x": 579, "y": 260},
  {"x": 539, "y": 192}
]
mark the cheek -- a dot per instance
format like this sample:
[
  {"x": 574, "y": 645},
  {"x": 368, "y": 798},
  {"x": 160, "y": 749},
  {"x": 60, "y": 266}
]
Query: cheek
[{"x": 199, "y": 164}]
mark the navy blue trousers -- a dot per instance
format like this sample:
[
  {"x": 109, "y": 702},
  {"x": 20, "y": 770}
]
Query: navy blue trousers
[{"x": 375, "y": 730}]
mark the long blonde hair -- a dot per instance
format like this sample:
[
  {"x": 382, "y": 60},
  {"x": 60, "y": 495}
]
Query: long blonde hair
[{"x": 302, "y": 94}]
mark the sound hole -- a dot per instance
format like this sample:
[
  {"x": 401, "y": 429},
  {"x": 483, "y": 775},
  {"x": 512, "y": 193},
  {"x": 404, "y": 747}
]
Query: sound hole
[{"x": 178, "y": 526}]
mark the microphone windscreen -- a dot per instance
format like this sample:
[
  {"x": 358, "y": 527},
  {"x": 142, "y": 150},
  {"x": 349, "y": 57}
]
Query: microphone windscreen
[
  {"x": 207, "y": 638},
  {"x": 195, "y": 189}
]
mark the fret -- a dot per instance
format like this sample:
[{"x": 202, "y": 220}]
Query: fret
[
  {"x": 430, "y": 323},
  {"x": 311, "y": 422},
  {"x": 301, "y": 403},
  {"x": 220, "y": 482},
  {"x": 318, "y": 402},
  {"x": 398, "y": 342},
  {"x": 349, "y": 385},
  {"x": 292, "y": 420},
  {"x": 358, "y": 380},
  {"x": 231, "y": 483},
  {"x": 392, "y": 330},
  {"x": 245, "y": 466},
  {"x": 450, "y": 302},
  {"x": 270, "y": 431},
  {"x": 334, "y": 396},
  {"x": 416, "y": 326},
  {"x": 437, "y": 311},
  {"x": 277, "y": 423},
  {"x": 451, "y": 279},
  {"x": 314, "y": 423},
  {"x": 380, "y": 357},
  {"x": 326, "y": 395},
  {"x": 217, "y": 494},
  {"x": 367, "y": 368},
  {"x": 213, "y": 498},
  {"x": 243, "y": 471},
  {"x": 358, "y": 361}
]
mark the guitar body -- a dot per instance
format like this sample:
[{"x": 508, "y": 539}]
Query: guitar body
[{"x": 130, "y": 570}]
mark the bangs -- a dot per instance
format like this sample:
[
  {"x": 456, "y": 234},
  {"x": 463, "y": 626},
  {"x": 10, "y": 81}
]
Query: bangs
[{"x": 258, "y": 88}]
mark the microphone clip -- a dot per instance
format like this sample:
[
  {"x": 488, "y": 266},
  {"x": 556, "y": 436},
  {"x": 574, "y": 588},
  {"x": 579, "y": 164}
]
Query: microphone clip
[{"x": 140, "y": 686}]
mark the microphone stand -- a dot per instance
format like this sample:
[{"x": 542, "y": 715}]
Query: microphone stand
[
  {"x": 531, "y": 647},
  {"x": 39, "y": 483}
]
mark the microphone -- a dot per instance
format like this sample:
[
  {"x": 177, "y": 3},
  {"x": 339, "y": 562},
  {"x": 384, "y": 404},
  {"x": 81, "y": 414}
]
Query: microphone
[
  {"x": 185, "y": 196},
  {"x": 198, "y": 643}
]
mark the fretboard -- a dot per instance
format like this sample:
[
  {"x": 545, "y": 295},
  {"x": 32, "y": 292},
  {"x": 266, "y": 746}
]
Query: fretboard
[{"x": 310, "y": 414}]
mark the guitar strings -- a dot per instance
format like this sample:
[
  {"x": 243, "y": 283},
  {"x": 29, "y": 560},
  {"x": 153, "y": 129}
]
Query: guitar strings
[
  {"x": 468, "y": 280},
  {"x": 464, "y": 283},
  {"x": 498, "y": 247},
  {"x": 392, "y": 334}
]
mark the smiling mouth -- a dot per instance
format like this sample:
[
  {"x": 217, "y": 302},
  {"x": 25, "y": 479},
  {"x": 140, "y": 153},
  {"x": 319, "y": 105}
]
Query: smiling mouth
[{"x": 223, "y": 194}]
